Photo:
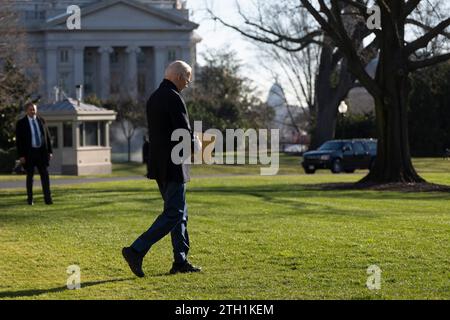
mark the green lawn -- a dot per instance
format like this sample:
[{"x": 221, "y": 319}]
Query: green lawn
[
  {"x": 255, "y": 237},
  {"x": 289, "y": 164}
]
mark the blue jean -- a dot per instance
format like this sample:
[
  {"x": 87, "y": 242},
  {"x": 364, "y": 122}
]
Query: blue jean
[{"x": 173, "y": 219}]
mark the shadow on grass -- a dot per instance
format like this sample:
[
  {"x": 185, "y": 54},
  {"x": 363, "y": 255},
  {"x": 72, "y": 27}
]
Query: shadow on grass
[
  {"x": 291, "y": 195},
  {"x": 334, "y": 190},
  {"x": 97, "y": 198},
  {"x": 288, "y": 195},
  {"x": 37, "y": 292}
]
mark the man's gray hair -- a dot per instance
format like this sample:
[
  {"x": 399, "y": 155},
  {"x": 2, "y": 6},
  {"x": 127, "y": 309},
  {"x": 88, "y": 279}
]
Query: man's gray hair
[{"x": 178, "y": 68}]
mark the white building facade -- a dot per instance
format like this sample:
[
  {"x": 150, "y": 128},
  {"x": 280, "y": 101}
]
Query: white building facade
[
  {"x": 121, "y": 50},
  {"x": 284, "y": 115}
]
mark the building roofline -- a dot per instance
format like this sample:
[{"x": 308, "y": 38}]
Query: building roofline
[{"x": 107, "y": 3}]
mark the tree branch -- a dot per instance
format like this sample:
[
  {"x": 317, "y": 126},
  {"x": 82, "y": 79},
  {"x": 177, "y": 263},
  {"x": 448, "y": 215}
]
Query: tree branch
[
  {"x": 358, "y": 5},
  {"x": 425, "y": 27},
  {"x": 303, "y": 41},
  {"x": 415, "y": 65},
  {"x": 425, "y": 39},
  {"x": 409, "y": 7},
  {"x": 336, "y": 30}
]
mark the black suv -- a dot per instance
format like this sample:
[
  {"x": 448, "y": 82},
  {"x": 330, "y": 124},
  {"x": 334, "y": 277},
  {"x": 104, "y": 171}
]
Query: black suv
[{"x": 341, "y": 155}]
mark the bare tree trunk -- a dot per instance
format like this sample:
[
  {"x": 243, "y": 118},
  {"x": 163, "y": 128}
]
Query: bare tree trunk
[
  {"x": 329, "y": 93},
  {"x": 390, "y": 88},
  {"x": 325, "y": 125},
  {"x": 129, "y": 148},
  {"x": 393, "y": 162}
]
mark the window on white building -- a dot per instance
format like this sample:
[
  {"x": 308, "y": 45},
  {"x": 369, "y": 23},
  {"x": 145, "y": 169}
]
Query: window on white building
[
  {"x": 64, "y": 56},
  {"x": 63, "y": 81},
  {"x": 35, "y": 14},
  {"x": 88, "y": 57},
  {"x": 102, "y": 134},
  {"x": 115, "y": 57},
  {"x": 141, "y": 57},
  {"x": 115, "y": 83},
  {"x": 53, "y": 136},
  {"x": 88, "y": 82},
  {"x": 67, "y": 135},
  {"x": 171, "y": 55},
  {"x": 92, "y": 134}
]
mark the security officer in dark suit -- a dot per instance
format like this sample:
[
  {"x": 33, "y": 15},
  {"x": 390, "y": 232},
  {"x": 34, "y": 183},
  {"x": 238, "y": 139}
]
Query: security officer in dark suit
[
  {"x": 166, "y": 112},
  {"x": 34, "y": 149}
]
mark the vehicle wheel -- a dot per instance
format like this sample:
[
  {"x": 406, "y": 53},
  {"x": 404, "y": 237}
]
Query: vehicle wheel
[
  {"x": 336, "y": 166},
  {"x": 310, "y": 171}
]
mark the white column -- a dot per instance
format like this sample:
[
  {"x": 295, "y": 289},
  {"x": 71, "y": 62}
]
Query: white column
[
  {"x": 51, "y": 72},
  {"x": 132, "y": 74},
  {"x": 107, "y": 142},
  {"x": 78, "y": 67},
  {"x": 186, "y": 55},
  {"x": 105, "y": 72},
  {"x": 77, "y": 134},
  {"x": 160, "y": 59}
]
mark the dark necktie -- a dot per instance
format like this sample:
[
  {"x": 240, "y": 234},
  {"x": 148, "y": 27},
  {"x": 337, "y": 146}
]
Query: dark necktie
[{"x": 36, "y": 133}]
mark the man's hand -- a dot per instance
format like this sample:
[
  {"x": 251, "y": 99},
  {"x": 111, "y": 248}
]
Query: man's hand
[
  {"x": 50, "y": 156},
  {"x": 22, "y": 160}
]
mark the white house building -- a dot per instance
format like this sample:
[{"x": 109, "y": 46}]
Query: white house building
[
  {"x": 121, "y": 50},
  {"x": 284, "y": 115}
]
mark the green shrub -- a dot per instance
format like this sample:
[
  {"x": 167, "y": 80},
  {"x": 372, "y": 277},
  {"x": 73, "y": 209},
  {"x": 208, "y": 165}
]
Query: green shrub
[{"x": 356, "y": 126}]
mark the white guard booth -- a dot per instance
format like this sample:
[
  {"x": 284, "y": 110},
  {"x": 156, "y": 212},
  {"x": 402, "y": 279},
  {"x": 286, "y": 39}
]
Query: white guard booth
[{"x": 80, "y": 137}]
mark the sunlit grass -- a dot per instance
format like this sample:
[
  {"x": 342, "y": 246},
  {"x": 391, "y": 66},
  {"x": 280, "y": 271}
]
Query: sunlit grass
[{"x": 255, "y": 237}]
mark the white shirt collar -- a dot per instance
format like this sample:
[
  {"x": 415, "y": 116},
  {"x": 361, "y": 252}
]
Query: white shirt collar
[{"x": 31, "y": 118}]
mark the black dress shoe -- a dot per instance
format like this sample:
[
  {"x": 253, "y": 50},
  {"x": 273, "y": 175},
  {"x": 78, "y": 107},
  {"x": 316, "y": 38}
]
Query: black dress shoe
[
  {"x": 49, "y": 201},
  {"x": 30, "y": 202},
  {"x": 134, "y": 261},
  {"x": 184, "y": 268}
]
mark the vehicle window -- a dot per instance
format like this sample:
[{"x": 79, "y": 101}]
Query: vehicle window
[
  {"x": 349, "y": 147},
  {"x": 372, "y": 146},
  {"x": 359, "y": 148},
  {"x": 331, "y": 145}
]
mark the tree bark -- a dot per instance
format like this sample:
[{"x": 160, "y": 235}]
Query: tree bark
[
  {"x": 325, "y": 126},
  {"x": 390, "y": 89},
  {"x": 129, "y": 149},
  {"x": 393, "y": 163},
  {"x": 329, "y": 93}
]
